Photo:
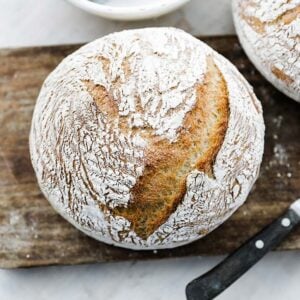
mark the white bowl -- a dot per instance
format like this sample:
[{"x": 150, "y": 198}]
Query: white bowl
[{"x": 133, "y": 12}]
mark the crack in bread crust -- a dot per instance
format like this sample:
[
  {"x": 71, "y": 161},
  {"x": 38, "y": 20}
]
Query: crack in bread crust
[
  {"x": 103, "y": 117},
  {"x": 281, "y": 75},
  {"x": 162, "y": 186},
  {"x": 260, "y": 26}
]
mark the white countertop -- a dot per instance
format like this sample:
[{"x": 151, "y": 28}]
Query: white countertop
[
  {"x": 34, "y": 22},
  {"x": 45, "y": 22}
]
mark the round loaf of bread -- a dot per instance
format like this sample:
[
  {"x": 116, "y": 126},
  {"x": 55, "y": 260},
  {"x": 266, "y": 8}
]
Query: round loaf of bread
[
  {"x": 269, "y": 31},
  {"x": 146, "y": 138}
]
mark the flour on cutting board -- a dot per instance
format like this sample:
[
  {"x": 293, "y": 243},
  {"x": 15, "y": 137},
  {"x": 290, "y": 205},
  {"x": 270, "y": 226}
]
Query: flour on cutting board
[{"x": 279, "y": 162}]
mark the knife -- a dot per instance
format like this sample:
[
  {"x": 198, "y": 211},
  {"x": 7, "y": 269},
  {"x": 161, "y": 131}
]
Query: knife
[{"x": 215, "y": 281}]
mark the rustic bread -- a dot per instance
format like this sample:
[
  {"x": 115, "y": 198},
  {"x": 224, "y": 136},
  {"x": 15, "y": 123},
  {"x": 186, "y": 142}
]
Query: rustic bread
[
  {"x": 146, "y": 138},
  {"x": 269, "y": 31}
]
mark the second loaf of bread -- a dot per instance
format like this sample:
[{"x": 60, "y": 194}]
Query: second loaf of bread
[
  {"x": 269, "y": 31},
  {"x": 146, "y": 138}
]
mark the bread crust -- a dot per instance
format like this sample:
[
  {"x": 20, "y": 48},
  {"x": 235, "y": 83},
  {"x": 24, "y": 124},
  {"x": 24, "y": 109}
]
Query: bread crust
[
  {"x": 162, "y": 186},
  {"x": 269, "y": 33},
  {"x": 146, "y": 139}
]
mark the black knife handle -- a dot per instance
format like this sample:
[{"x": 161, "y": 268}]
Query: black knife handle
[{"x": 212, "y": 283}]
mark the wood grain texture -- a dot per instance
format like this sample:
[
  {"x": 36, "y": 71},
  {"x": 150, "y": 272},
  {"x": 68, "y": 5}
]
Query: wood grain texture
[{"x": 33, "y": 234}]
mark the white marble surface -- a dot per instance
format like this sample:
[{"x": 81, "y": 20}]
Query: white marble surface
[{"x": 44, "y": 22}]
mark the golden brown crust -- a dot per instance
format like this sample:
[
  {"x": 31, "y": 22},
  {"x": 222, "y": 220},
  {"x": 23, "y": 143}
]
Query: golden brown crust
[
  {"x": 290, "y": 15},
  {"x": 163, "y": 184},
  {"x": 281, "y": 75},
  {"x": 103, "y": 99},
  {"x": 259, "y": 26},
  {"x": 255, "y": 23}
]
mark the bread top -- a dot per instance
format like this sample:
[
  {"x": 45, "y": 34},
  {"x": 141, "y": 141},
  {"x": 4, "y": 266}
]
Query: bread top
[
  {"x": 270, "y": 33},
  {"x": 146, "y": 138}
]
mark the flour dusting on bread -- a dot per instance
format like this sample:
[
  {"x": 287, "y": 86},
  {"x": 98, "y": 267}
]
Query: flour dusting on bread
[
  {"x": 117, "y": 123},
  {"x": 269, "y": 31}
]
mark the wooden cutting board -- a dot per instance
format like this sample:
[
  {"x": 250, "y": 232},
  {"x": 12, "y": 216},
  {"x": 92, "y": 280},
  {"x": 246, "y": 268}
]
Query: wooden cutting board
[{"x": 33, "y": 234}]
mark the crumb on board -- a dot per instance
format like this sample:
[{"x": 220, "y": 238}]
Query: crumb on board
[
  {"x": 278, "y": 121},
  {"x": 280, "y": 155}
]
